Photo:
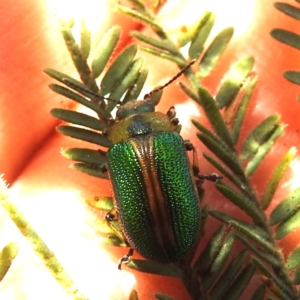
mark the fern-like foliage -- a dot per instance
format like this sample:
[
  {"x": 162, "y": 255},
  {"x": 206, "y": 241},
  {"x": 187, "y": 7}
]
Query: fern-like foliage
[
  {"x": 10, "y": 251},
  {"x": 288, "y": 37},
  {"x": 7, "y": 255},
  {"x": 215, "y": 273}
]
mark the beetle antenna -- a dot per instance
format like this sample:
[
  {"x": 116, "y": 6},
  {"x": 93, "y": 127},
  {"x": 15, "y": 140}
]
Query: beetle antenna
[
  {"x": 171, "y": 80},
  {"x": 84, "y": 90}
]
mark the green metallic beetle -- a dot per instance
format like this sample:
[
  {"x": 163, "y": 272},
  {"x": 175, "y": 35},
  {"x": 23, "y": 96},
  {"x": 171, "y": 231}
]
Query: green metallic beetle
[{"x": 156, "y": 189}]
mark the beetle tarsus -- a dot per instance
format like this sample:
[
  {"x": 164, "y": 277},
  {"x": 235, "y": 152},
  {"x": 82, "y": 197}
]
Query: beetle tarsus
[
  {"x": 213, "y": 177},
  {"x": 103, "y": 168},
  {"x": 210, "y": 177},
  {"x": 188, "y": 146},
  {"x": 109, "y": 217},
  {"x": 175, "y": 121},
  {"x": 171, "y": 113},
  {"x": 125, "y": 259}
]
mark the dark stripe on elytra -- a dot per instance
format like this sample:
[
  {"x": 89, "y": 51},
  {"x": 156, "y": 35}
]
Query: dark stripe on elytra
[
  {"x": 166, "y": 232},
  {"x": 163, "y": 234}
]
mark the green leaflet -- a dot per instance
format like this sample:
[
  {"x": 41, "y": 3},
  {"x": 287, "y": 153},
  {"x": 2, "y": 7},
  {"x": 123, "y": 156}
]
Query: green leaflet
[
  {"x": 184, "y": 35},
  {"x": 293, "y": 260},
  {"x": 217, "y": 146},
  {"x": 275, "y": 178},
  {"x": 259, "y": 293},
  {"x": 253, "y": 232},
  {"x": 286, "y": 208},
  {"x": 201, "y": 34},
  {"x": 243, "y": 202},
  {"x": 233, "y": 81},
  {"x": 127, "y": 81},
  {"x": 177, "y": 59},
  {"x": 81, "y": 88},
  {"x": 214, "y": 116},
  {"x": 241, "y": 111},
  {"x": 240, "y": 283},
  {"x": 77, "y": 56},
  {"x": 218, "y": 263},
  {"x": 139, "y": 5},
  {"x": 284, "y": 228},
  {"x": 277, "y": 286},
  {"x": 287, "y": 37},
  {"x": 263, "y": 150},
  {"x": 262, "y": 253},
  {"x": 223, "y": 153},
  {"x": 258, "y": 136},
  {"x": 210, "y": 251},
  {"x": 190, "y": 93},
  {"x": 137, "y": 86},
  {"x": 117, "y": 70},
  {"x": 196, "y": 34},
  {"x": 153, "y": 267},
  {"x": 61, "y": 76},
  {"x": 85, "y": 40},
  {"x": 105, "y": 50},
  {"x": 141, "y": 16},
  {"x": 79, "y": 99},
  {"x": 85, "y": 135},
  {"x": 78, "y": 118},
  {"x": 216, "y": 142},
  {"x": 292, "y": 76},
  {"x": 296, "y": 279},
  {"x": 232, "y": 271},
  {"x": 234, "y": 179},
  {"x": 7, "y": 255},
  {"x": 288, "y": 9},
  {"x": 214, "y": 51},
  {"x": 163, "y": 297},
  {"x": 208, "y": 133},
  {"x": 97, "y": 157},
  {"x": 90, "y": 169},
  {"x": 104, "y": 203},
  {"x": 163, "y": 45}
]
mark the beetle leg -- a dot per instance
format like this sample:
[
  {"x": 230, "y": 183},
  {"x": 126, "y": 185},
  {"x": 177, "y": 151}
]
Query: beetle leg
[
  {"x": 190, "y": 147},
  {"x": 103, "y": 168},
  {"x": 196, "y": 171},
  {"x": 171, "y": 113},
  {"x": 110, "y": 217},
  {"x": 211, "y": 177},
  {"x": 125, "y": 259}
]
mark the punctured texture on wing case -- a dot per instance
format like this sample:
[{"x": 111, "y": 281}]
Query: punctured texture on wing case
[{"x": 155, "y": 195}]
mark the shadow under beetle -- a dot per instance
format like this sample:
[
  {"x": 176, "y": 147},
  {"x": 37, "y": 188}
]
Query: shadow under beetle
[{"x": 156, "y": 189}]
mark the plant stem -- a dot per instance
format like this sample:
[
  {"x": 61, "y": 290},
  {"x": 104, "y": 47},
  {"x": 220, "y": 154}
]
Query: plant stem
[{"x": 43, "y": 251}]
